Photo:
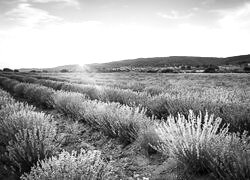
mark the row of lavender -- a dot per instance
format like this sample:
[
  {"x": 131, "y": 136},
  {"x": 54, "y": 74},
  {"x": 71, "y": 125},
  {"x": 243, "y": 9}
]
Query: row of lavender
[
  {"x": 232, "y": 107},
  {"x": 30, "y": 147}
]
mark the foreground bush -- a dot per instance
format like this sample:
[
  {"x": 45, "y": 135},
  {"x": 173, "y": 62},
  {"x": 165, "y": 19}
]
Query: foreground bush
[
  {"x": 202, "y": 146},
  {"x": 86, "y": 165},
  {"x": 5, "y": 98},
  {"x": 35, "y": 136},
  {"x": 25, "y": 137},
  {"x": 5, "y": 171},
  {"x": 28, "y": 137},
  {"x": 230, "y": 160}
]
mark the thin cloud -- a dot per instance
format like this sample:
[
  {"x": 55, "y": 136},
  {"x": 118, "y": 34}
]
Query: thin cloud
[
  {"x": 26, "y": 15},
  {"x": 73, "y": 3},
  {"x": 174, "y": 15},
  {"x": 238, "y": 18}
]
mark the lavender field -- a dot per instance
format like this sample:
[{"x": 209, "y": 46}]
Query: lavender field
[{"x": 124, "y": 126}]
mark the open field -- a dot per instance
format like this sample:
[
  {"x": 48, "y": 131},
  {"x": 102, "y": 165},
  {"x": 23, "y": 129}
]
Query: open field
[
  {"x": 125, "y": 125},
  {"x": 232, "y": 80}
]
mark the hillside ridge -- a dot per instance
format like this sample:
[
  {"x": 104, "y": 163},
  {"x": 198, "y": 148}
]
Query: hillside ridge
[{"x": 175, "y": 61}]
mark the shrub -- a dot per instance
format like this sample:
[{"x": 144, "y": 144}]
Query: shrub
[
  {"x": 49, "y": 83},
  {"x": 27, "y": 135},
  {"x": 136, "y": 86},
  {"x": 163, "y": 105},
  {"x": 113, "y": 119},
  {"x": 233, "y": 112},
  {"x": 230, "y": 160},
  {"x": 19, "y": 89},
  {"x": 117, "y": 121},
  {"x": 13, "y": 107},
  {"x": 8, "y": 84},
  {"x": 123, "y": 96},
  {"x": 149, "y": 139},
  {"x": 89, "y": 90},
  {"x": 190, "y": 141},
  {"x": 41, "y": 95},
  {"x": 29, "y": 79},
  {"x": 35, "y": 93},
  {"x": 2, "y": 79},
  {"x": 5, "y": 98},
  {"x": 86, "y": 165},
  {"x": 203, "y": 147},
  {"x": 154, "y": 90},
  {"x": 50, "y": 78},
  {"x": 166, "y": 71},
  {"x": 109, "y": 94},
  {"x": 247, "y": 69},
  {"x": 17, "y": 77},
  {"x": 64, "y": 70},
  {"x": 69, "y": 104},
  {"x": 211, "y": 69},
  {"x": 7, "y": 70},
  {"x": 103, "y": 93}
]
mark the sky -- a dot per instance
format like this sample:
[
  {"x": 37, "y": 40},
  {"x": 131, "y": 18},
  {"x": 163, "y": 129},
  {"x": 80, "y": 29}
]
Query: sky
[{"x": 48, "y": 33}]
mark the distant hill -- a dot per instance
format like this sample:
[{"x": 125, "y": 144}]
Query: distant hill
[
  {"x": 29, "y": 69},
  {"x": 70, "y": 68},
  {"x": 151, "y": 62},
  {"x": 175, "y": 61}
]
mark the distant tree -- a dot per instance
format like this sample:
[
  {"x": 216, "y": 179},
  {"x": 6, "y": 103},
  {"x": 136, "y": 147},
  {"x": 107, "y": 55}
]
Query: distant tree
[
  {"x": 7, "y": 70},
  {"x": 33, "y": 71},
  {"x": 167, "y": 71},
  {"x": 151, "y": 71},
  {"x": 183, "y": 67},
  {"x": 45, "y": 71},
  {"x": 16, "y": 70},
  {"x": 188, "y": 67},
  {"x": 211, "y": 69},
  {"x": 247, "y": 68},
  {"x": 64, "y": 71}
]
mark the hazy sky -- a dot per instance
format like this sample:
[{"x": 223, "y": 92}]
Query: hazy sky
[{"x": 47, "y": 33}]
